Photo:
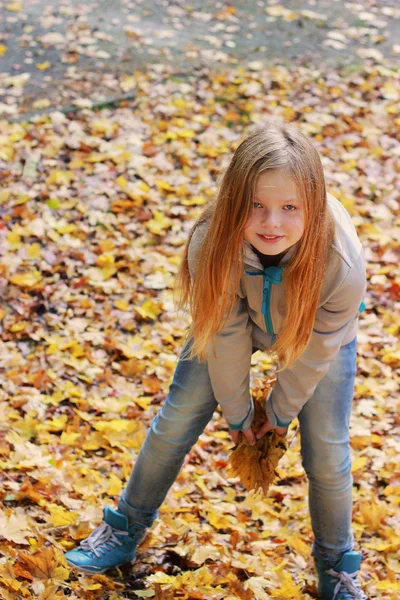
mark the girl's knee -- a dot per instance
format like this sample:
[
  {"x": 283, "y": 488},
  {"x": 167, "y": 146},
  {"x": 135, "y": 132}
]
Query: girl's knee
[
  {"x": 163, "y": 447},
  {"x": 333, "y": 467},
  {"x": 171, "y": 436}
]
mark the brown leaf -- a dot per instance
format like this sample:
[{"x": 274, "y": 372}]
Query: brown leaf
[{"x": 43, "y": 564}]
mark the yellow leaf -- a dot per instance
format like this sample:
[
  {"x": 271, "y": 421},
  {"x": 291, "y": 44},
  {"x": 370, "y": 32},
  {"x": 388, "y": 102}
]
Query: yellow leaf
[
  {"x": 148, "y": 310},
  {"x": 34, "y": 251},
  {"x": 57, "y": 424},
  {"x": 391, "y": 357},
  {"x": 114, "y": 485},
  {"x": 171, "y": 135},
  {"x": 289, "y": 590},
  {"x": 186, "y": 133},
  {"x": 20, "y": 326},
  {"x": 348, "y": 203},
  {"x": 122, "y": 305},
  {"x": 348, "y": 166},
  {"x": 372, "y": 514},
  {"x": 108, "y": 272},
  {"x": 93, "y": 586},
  {"x": 102, "y": 126},
  {"x": 392, "y": 546},
  {"x": 3, "y": 49},
  {"x": 105, "y": 260},
  {"x": 14, "y": 6},
  {"x": 135, "y": 191},
  {"x": 392, "y": 490},
  {"x": 128, "y": 82},
  {"x": 43, "y": 66},
  {"x": 144, "y": 401},
  {"x": 218, "y": 520},
  {"x": 106, "y": 246},
  {"x": 159, "y": 223},
  {"x": 194, "y": 201},
  {"x": 122, "y": 182},
  {"x": 180, "y": 102},
  {"x": 143, "y": 186},
  {"x": 58, "y": 177},
  {"x": 26, "y": 279},
  {"x": 5, "y": 196},
  {"x": 63, "y": 227},
  {"x": 14, "y": 240},
  {"x": 391, "y": 91},
  {"x": 164, "y": 185},
  {"x": 386, "y": 584},
  {"x": 301, "y": 547},
  {"x": 359, "y": 463},
  {"x": 59, "y": 516},
  {"x": 70, "y": 438}
]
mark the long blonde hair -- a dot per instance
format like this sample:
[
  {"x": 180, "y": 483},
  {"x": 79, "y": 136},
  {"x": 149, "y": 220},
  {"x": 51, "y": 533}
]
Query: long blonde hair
[{"x": 219, "y": 265}]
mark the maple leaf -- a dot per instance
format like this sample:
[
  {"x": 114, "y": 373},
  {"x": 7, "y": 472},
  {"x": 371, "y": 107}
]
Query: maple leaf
[{"x": 48, "y": 563}]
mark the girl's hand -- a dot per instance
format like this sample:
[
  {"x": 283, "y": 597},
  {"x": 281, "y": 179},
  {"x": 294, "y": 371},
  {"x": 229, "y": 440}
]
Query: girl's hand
[
  {"x": 248, "y": 434},
  {"x": 267, "y": 427}
]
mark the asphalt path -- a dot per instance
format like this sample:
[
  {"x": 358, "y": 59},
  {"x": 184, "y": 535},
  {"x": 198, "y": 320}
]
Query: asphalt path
[{"x": 57, "y": 53}]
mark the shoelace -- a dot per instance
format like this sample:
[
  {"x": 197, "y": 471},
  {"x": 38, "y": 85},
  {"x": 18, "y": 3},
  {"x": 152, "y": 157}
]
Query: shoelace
[
  {"x": 102, "y": 536},
  {"x": 347, "y": 584}
]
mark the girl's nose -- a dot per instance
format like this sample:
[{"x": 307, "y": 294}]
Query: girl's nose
[{"x": 270, "y": 219}]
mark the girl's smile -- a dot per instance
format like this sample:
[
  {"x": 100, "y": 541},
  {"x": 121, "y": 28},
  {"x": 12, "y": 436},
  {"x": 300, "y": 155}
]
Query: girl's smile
[
  {"x": 270, "y": 239},
  {"x": 276, "y": 219}
]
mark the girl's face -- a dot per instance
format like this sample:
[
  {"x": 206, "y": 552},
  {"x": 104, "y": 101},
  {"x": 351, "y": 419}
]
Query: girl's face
[{"x": 276, "y": 219}]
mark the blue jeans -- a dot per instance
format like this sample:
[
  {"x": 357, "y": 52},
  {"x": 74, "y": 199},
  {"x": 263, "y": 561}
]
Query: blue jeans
[{"x": 325, "y": 448}]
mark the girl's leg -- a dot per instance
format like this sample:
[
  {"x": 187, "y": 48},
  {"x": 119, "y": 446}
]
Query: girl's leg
[
  {"x": 325, "y": 447},
  {"x": 188, "y": 408}
]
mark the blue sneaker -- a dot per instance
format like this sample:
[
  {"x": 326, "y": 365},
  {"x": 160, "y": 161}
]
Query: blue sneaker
[
  {"x": 340, "y": 582},
  {"x": 113, "y": 543}
]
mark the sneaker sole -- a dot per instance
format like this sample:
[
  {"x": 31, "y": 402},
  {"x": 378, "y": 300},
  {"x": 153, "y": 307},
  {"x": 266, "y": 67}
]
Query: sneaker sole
[{"x": 97, "y": 571}]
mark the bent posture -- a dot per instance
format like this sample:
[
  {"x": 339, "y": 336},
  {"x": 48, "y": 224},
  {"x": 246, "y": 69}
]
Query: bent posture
[{"x": 274, "y": 263}]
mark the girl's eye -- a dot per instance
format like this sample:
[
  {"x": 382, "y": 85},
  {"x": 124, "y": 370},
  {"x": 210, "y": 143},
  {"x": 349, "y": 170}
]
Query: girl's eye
[{"x": 288, "y": 207}]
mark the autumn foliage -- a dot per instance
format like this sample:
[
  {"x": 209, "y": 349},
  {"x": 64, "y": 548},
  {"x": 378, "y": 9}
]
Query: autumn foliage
[{"x": 256, "y": 465}]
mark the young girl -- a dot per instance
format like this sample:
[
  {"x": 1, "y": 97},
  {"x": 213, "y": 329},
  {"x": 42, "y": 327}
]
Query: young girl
[{"x": 274, "y": 263}]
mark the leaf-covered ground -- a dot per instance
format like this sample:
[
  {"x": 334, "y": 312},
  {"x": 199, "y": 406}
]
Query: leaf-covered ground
[{"x": 95, "y": 209}]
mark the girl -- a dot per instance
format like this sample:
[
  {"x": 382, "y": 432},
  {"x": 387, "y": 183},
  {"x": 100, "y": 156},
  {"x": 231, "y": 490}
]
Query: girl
[{"x": 274, "y": 263}]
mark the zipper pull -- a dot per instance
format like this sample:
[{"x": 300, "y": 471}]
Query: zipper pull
[{"x": 267, "y": 284}]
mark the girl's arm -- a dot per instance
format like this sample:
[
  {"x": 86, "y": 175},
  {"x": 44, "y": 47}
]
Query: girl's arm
[
  {"x": 334, "y": 320},
  {"x": 229, "y": 369}
]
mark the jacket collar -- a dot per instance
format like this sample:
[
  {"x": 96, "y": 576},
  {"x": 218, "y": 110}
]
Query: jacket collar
[{"x": 251, "y": 259}]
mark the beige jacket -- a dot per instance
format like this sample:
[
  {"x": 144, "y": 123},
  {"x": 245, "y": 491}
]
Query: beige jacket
[{"x": 258, "y": 313}]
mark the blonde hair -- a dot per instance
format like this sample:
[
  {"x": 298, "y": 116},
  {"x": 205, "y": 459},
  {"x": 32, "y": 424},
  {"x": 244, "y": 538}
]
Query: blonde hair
[{"x": 219, "y": 265}]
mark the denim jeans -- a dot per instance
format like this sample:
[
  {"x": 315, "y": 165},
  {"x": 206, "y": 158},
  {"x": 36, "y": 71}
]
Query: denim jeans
[{"x": 325, "y": 448}]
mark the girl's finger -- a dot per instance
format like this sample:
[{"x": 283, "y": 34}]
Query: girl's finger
[
  {"x": 281, "y": 430},
  {"x": 263, "y": 430},
  {"x": 249, "y": 435},
  {"x": 235, "y": 435}
]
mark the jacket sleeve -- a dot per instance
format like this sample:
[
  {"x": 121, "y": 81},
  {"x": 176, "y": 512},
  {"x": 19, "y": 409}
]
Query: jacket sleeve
[
  {"x": 229, "y": 369},
  {"x": 296, "y": 384}
]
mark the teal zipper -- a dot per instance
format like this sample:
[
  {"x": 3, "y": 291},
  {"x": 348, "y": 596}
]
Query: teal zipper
[
  {"x": 271, "y": 276},
  {"x": 267, "y": 305}
]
